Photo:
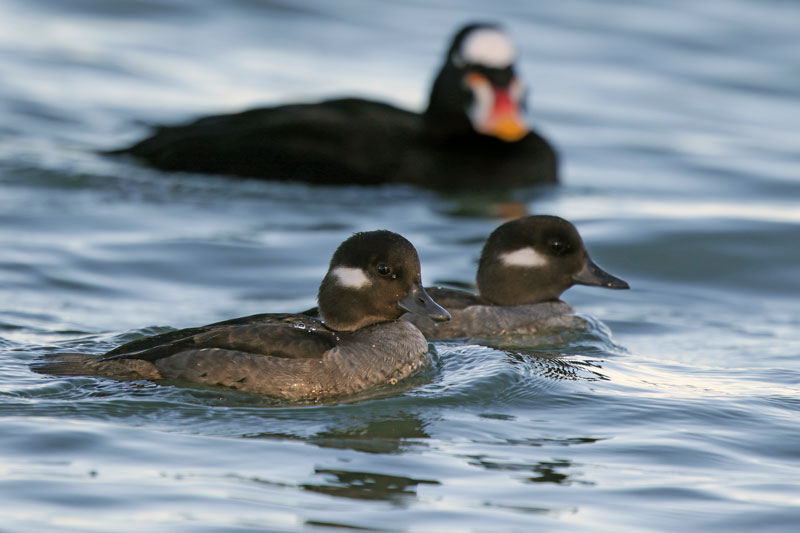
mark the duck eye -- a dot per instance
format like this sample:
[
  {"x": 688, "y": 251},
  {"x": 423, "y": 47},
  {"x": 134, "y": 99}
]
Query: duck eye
[
  {"x": 384, "y": 270},
  {"x": 557, "y": 246}
]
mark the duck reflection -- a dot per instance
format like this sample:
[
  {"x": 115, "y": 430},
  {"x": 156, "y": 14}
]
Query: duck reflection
[
  {"x": 544, "y": 471},
  {"x": 367, "y": 485},
  {"x": 393, "y": 435},
  {"x": 503, "y": 204}
]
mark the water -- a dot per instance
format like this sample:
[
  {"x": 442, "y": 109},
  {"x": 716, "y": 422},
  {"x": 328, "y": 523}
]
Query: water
[{"x": 677, "y": 122}]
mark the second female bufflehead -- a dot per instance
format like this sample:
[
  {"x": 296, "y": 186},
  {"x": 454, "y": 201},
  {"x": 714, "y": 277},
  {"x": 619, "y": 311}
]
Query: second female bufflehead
[{"x": 525, "y": 266}]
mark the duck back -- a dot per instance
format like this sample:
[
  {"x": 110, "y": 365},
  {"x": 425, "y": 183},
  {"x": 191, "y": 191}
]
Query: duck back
[{"x": 337, "y": 141}]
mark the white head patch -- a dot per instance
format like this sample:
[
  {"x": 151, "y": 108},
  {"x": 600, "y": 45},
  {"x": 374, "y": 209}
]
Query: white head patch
[
  {"x": 524, "y": 257},
  {"x": 482, "y": 103},
  {"x": 354, "y": 278},
  {"x": 487, "y": 46}
]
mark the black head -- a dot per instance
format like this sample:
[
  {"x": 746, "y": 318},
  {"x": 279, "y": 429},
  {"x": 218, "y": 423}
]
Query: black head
[
  {"x": 373, "y": 277},
  {"x": 535, "y": 259},
  {"x": 477, "y": 91}
]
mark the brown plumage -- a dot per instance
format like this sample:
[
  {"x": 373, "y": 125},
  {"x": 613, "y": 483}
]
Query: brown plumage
[{"x": 289, "y": 356}]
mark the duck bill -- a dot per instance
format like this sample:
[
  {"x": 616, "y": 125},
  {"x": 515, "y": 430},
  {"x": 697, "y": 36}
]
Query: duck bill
[
  {"x": 418, "y": 302},
  {"x": 591, "y": 274},
  {"x": 495, "y": 110},
  {"x": 505, "y": 121}
]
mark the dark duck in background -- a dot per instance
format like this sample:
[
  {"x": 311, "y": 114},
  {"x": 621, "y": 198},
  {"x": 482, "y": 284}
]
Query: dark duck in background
[{"x": 471, "y": 136}]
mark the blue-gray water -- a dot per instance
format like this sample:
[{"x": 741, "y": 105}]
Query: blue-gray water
[{"x": 678, "y": 126}]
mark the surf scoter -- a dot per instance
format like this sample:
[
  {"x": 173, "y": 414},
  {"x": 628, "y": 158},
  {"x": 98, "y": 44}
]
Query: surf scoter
[{"x": 472, "y": 134}]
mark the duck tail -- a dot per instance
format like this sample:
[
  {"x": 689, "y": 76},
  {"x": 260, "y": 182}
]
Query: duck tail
[
  {"x": 66, "y": 364},
  {"x": 81, "y": 364}
]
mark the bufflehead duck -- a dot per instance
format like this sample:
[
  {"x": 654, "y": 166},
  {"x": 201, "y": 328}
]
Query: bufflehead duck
[
  {"x": 472, "y": 134},
  {"x": 374, "y": 277},
  {"x": 525, "y": 266}
]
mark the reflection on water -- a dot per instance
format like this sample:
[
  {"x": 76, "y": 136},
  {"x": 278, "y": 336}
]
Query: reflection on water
[
  {"x": 570, "y": 441},
  {"x": 367, "y": 485},
  {"x": 378, "y": 435},
  {"x": 546, "y": 471},
  {"x": 391, "y": 435}
]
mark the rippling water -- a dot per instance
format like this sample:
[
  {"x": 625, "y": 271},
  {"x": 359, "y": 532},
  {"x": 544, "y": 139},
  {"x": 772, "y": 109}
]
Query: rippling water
[{"x": 680, "y": 407}]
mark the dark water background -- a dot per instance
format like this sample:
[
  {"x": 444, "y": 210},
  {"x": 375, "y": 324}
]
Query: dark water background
[{"x": 678, "y": 126}]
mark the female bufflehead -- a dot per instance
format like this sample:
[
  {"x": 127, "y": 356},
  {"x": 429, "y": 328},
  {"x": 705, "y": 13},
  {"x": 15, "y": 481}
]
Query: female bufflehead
[
  {"x": 472, "y": 134},
  {"x": 374, "y": 277},
  {"x": 525, "y": 266}
]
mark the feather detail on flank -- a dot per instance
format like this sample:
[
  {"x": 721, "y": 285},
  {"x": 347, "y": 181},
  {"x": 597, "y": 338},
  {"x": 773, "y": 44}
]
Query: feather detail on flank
[
  {"x": 524, "y": 257},
  {"x": 489, "y": 47},
  {"x": 354, "y": 278}
]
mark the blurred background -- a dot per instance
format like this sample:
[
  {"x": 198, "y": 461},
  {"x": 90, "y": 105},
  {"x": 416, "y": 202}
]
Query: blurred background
[{"x": 676, "y": 123}]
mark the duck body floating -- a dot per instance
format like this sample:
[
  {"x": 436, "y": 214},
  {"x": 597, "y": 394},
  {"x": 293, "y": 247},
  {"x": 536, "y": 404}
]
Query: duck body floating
[
  {"x": 472, "y": 134},
  {"x": 525, "y": 266},
  {"x": 358, "y": 343}
]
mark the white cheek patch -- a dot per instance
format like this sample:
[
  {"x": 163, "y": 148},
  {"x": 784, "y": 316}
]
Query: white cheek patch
[
  {"x": 353, "y": 278},
  {"x": 524, "y": 257},
  {"x": 489, "y": 47}
]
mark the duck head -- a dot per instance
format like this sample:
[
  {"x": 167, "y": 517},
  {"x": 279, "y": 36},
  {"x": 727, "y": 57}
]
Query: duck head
[
  {"x": 374, "y": 277},
  {"x": 477, "y": 90},
  {"x": 535, "y": 259}
]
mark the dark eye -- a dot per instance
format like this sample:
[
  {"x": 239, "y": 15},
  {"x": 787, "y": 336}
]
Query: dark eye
[
  {"x": 558, "y": 246},
  {"x": 384, "y": 270}
]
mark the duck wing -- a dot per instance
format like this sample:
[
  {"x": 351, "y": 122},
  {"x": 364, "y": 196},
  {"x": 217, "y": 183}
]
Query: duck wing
[{"x": 277, "y": 335}]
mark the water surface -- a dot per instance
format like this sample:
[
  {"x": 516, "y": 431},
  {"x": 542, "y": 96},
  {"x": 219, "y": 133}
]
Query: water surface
[{"x": 679, "y": 407}]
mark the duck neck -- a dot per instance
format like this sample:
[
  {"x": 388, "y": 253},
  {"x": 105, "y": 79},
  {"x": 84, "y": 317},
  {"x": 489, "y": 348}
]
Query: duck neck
[
  {"x": 524, "y": 287},
  {"x": 446, "y": 115}
]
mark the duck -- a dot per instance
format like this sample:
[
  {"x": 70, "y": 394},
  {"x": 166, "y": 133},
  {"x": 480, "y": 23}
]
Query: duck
[
  {"x": 525, "y": 266},
  {"x": 358, "y": 342},
  {"x": 472, "y": 135}
]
